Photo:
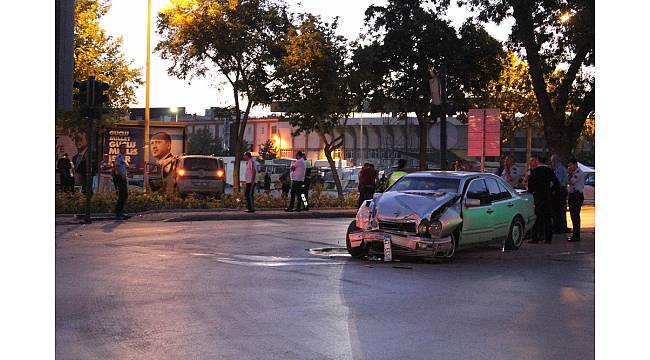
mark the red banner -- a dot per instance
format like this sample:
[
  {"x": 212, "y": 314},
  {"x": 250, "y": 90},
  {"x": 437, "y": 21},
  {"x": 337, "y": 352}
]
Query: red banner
[{"x": 475, "y": 132}]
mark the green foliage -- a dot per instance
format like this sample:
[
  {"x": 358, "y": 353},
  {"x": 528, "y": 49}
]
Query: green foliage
[
  {"x": 138, "y": 202},
  {"x": 100, "y": 55},
  {"x": 315, "y": 86},
  {"x": 201, "y": 142},
  {"x": 267, "y": 150},
  {"x": 408, "y": 39}
]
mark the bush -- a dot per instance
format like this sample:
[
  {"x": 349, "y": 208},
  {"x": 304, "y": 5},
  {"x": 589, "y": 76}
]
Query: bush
[{"x": 138, "y": 202}]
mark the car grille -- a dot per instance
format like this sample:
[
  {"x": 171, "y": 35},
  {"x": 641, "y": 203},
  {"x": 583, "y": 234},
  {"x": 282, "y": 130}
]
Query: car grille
[{"x": 408, "y": 227}]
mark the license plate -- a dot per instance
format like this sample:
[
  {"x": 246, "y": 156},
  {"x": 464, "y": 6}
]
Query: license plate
[
  {"x": 200, "y": 184},
  {"x": 388, "y": 251}
]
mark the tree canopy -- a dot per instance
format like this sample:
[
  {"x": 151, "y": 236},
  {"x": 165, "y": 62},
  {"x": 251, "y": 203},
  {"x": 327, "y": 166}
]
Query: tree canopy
[
  {"x": 403, "y": 41},
  {"x": 558, "y": 39},
  {"x": 314, "y": 85},
  {"x": 241, "y": 40},
  {"x": 100, "y": 55}
]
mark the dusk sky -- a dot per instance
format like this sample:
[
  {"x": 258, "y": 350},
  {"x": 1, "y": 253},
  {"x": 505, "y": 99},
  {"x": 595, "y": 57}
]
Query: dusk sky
[{"x": 129, "y": 19}]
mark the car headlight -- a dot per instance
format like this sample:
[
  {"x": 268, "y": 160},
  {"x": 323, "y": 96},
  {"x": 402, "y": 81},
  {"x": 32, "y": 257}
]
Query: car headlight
[
  {"x": 363, "y": 217},
  {"x": 435, "y": 228},
  {"x": 423, "y": 228}
]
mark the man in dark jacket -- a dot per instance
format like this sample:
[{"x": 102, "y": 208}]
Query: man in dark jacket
[
  {"x": 367, "y": 182},
  {"x": 541, "y": 183},
  {"x": 64, "y": 166}
]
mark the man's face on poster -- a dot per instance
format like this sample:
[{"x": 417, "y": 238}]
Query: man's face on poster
[{"x": 160, "y": 148}]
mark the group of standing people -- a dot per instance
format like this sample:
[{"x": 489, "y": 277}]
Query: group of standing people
[
  {"x": 296, "y": 182},
  {"x": 552, "y": 187}
]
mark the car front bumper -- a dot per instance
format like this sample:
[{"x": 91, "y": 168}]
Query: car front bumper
[{"x": 402, "y": 245}]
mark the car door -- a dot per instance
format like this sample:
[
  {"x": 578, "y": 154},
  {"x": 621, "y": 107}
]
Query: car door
[
  {"x": 503, "y": 209},
  {"x": 477, "y": 220}
]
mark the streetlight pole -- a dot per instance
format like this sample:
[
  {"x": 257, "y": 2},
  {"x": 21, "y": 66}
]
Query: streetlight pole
[{"x": 147, "y": 190}]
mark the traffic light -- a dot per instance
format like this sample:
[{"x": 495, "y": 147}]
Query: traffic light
[
  {"x": 101, "y": 99},
  {"x": 81, "y": 93}
]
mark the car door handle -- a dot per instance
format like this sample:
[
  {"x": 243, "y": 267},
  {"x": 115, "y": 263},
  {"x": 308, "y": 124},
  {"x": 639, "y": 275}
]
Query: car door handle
[
  {"x": 490, "y": 211},
  {"x": 511, "y": 205}
]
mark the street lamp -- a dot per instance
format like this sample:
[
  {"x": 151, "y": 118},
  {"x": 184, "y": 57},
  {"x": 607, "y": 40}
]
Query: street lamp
[
  {"x": 146, "y": 188},
  {"x": 174, "y": 110}
]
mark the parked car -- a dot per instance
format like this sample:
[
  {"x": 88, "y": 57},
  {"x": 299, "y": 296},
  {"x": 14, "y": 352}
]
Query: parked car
[
  {"x": 200, "y": 174},
  {"x": 433, "y": 214}
]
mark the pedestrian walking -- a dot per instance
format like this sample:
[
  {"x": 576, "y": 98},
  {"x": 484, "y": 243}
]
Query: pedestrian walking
[
  {"x": 250, "y": 182},
  {"x": 397, "y": 174},
  {"x": 120, "y": 179},
  {"x": 576, "y": 181},
  {"x": 541, "y": 184},
  {"x": 559, "y": 196},
  {"x": 297, "y": 178},
  {"x": 66, "y": 173},
  {"x": 367, "y": 183}
]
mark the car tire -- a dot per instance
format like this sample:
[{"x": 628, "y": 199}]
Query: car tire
[
  {"x": 515, "y": 234},
  {"x": 454, "y": 242},
  {"x": 358, "y": 252}
]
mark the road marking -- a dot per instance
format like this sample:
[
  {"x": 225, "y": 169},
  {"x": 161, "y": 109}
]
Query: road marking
[{"x": 267, "y": 261}]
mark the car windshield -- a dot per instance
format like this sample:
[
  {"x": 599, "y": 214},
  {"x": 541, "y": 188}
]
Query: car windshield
[
  {"x": 426, "y": 183},
  {"x": 200, "y": 164}
]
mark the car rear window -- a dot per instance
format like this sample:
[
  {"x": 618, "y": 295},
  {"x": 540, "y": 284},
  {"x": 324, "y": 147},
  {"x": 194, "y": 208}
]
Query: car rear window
[
  {"x": 426, "y": 183},
  {"x": 200, "y": 164}
]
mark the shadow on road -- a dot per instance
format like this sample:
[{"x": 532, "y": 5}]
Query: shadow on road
[{"x": 108, "y": 228}]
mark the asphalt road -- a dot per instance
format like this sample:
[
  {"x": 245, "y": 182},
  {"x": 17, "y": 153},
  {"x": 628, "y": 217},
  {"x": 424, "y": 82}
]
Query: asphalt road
[{"x": 251, "y": 290}]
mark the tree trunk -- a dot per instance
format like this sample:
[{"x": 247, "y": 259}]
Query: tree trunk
[
  {"x": 335, "y": 175},
  {"x": 423, "y": 125},
  {"x": 235, "y": 168}
]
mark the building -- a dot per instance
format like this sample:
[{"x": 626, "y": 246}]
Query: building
[{"x": 379, "y": 139}]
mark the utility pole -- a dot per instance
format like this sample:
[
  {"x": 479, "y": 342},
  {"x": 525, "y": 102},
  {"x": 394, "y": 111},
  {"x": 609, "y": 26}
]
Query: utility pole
[
  {"x": 443, "y": 118},
  {"x": 147, "y": 190}
]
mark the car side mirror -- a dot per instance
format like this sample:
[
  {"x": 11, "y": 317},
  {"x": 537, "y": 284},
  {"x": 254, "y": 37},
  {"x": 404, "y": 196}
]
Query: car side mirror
[{"x": 472, "y": 202}]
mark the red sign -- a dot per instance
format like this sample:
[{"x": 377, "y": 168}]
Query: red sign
[
  {"x": 475, "y": 132},
  {"x": 483, "y": 132},
  {"x": 492, "y": 132}
]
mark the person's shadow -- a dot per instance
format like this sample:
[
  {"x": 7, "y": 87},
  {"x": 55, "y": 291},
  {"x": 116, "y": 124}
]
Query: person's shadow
[{"x": 108, "y": 228}]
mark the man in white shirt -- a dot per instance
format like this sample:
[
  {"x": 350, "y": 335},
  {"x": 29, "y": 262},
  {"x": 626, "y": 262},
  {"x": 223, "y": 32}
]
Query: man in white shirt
[
  {"x": 250, "y": 181},
  {"x": 576, "y": 198},
  {"x": 298, "y": 169}
]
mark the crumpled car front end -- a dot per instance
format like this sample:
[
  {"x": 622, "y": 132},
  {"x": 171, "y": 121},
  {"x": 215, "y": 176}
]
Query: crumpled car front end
[{"x": 418, "y": 224}]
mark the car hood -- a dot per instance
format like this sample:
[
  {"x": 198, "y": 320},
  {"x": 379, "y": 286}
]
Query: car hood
[{"x": 398, "y": 205}]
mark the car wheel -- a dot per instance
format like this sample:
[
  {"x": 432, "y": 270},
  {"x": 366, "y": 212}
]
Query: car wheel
[
  {"x": 515, "y": 234},
  {"x": 357, "y": 252},
  {"x": 454, "y": 246}
]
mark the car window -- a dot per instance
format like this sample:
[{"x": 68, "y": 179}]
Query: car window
[
  {"x": 200, "y": 163},
  {"x": 495, "y": 193},
  {"x": 426, "y": 183},
  {"x": 478, "y": 190},
  {"x": 503, "y": 189}
]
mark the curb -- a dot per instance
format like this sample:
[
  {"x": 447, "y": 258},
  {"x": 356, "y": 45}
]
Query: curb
[{"x": 208, "y": 215}]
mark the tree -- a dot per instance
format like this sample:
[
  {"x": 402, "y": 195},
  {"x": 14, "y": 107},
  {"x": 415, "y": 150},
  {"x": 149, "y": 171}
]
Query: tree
[
  {"x": 201, "y": 142},
  {"x": 408, "y": 40},
  {"x": 555, "y": 34},
  {"x": 240, "y": 40},
  {"x": 100, "y": 55},
  {"x": 314, "y": 88},
  {"x": 268, "y": 150},
  {"x": 513, "y": 94}
]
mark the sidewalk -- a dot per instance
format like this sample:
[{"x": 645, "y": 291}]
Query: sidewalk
[{"x": 214, "y": 214}]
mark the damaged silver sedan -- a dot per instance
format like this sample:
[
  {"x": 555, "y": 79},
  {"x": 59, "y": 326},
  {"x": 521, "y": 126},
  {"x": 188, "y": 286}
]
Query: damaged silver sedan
[{"x": 432, "y": 214}]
